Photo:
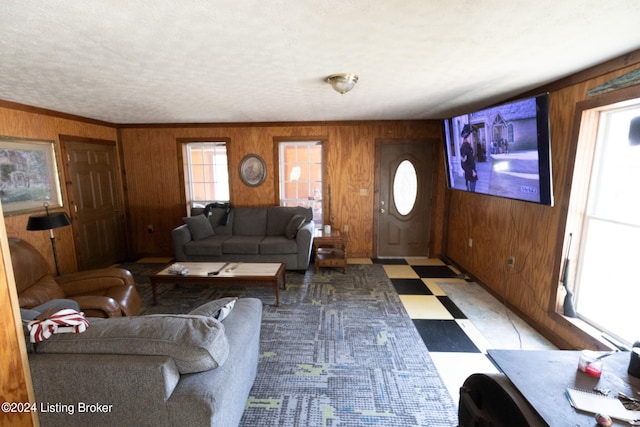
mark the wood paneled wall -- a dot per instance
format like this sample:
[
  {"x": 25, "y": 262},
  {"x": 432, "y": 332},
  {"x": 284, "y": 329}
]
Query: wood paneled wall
[
  {"x": 15, "y": 376},
  {"x": 153, "y": 181},
  {"x": 25, "y": 122},
  {"x": 533, "y": 234}
]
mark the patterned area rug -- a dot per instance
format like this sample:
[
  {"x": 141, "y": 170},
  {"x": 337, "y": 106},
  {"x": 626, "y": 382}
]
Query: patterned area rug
[{"x": 339, "y": 351}]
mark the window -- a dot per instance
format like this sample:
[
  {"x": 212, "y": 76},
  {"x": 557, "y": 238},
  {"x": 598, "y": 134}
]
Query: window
[
  {"x": 606, "y": 288},
  {"x": 300, "y": 165},
  {"x": 405, "y": 187},
  {"x": 206, "y": 173}
]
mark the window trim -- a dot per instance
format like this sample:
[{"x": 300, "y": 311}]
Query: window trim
[
  {"x": 326, "y": 187},
  {"x": 577, "y": 170},
  {"x": 183, "y": 166}
]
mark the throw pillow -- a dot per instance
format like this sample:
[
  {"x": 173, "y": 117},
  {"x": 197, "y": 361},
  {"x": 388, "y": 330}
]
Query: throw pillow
[
  {"x": 294, "y": 225},
  {"x": 218, "y": 309},
  {"x": 199, "y": 226},
  {"x": 195, "y": 343}
]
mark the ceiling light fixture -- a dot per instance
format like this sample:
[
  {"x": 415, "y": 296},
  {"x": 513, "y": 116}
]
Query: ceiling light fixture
[{"x": 342, "y": 82}]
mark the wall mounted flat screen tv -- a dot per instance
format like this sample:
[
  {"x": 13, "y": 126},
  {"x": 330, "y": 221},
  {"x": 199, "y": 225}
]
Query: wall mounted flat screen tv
[{"x": 502, "y": 151}]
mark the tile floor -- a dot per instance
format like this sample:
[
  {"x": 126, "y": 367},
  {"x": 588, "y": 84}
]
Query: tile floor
[{"x": 458, "y": 320}]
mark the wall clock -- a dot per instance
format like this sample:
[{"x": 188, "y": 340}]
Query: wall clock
[{"x": 253, "y": 170}]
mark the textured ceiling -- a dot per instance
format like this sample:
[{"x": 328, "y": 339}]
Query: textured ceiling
[{"x": 189, "y": 61}]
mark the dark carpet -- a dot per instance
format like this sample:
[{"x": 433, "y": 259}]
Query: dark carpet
[{"x": 339, "y": 351}]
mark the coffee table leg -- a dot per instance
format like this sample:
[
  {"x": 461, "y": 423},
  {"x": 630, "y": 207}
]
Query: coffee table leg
[{"x": 277, "y": 286}]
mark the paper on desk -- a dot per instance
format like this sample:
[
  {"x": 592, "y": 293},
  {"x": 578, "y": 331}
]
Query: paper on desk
[{"x": 597, "y": 403}]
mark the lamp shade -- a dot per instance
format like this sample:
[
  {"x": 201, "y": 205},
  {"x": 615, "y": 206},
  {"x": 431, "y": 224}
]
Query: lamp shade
[{"x": 48, "y": 222}]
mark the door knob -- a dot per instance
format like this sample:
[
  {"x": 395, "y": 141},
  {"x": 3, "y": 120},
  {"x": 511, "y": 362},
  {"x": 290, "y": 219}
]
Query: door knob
[{"x": 382, "y": 211}]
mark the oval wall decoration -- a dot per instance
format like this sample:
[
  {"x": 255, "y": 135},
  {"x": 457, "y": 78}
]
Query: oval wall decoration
[{"x": 253, "y": 170}]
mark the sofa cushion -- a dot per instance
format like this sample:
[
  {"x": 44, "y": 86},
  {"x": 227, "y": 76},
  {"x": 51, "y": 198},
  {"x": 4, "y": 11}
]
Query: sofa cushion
[
  {"x": 293, "y": 226},
  {"x": 199, "y": 226},
  {"x": 278, "y": 245},
  {"x": 196, "y": 211},
  {"x": 248, "y": 245},
  {"x": 219, "y": 213},
  {"x": 307, "y": 212},
  {"x": 249, "y": 221},
  {"x": 211, "y": 246},
  {"x": 218, "y": 309},
  {"x": 195, "y": 343},
  {"x": 222, "y": 222},
  {"x": 218, "y": 217},
  {"x": 278, "y": 217}
]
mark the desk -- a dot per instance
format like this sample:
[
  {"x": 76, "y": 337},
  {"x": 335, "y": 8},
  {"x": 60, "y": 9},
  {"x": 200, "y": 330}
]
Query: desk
[{"x": 543, "y": 376}]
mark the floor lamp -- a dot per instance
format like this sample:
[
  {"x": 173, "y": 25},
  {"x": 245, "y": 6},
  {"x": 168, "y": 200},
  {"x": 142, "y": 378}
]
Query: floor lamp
[{"x": 49, "y": 222}]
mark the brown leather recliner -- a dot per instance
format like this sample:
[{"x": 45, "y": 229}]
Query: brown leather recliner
[{"x": 107, "y": 292}]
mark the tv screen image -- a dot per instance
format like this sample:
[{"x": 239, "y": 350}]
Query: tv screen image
[{"x": 502, "y": 151}]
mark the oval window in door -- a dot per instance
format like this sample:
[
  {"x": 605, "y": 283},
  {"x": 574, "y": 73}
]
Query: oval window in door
[{"x": 405, "y": 187}]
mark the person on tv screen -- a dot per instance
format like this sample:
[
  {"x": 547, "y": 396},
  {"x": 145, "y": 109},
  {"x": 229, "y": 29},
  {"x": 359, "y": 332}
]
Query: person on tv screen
[{"x": 468, "y": 160}]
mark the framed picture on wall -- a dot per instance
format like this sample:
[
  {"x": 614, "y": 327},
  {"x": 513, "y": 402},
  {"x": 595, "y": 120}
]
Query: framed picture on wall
[
  {"x": 28, "y": 175},
  {"x": 253, "y": 170}
]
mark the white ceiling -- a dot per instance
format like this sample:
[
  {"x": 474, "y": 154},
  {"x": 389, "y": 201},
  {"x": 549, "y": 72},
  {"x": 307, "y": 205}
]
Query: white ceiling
[{"x": 197, "y": 61}]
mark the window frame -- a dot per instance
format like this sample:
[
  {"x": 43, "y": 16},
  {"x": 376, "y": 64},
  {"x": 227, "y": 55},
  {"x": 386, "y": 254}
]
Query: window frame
[
  {"x": 581, "y": 154},
  {"x": 183, "y": 167},
  {"x": 326, "y": 188}
]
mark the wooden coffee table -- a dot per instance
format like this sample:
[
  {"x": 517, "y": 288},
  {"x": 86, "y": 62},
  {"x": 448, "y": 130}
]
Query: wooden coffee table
[{"x": 221, "y": 273}]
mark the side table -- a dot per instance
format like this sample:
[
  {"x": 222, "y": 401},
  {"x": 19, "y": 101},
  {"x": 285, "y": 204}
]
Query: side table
[{"x": 330, "y": 250}]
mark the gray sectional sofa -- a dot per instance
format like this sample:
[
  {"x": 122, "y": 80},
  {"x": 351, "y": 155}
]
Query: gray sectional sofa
[
  {"x": 157, "y": 370},
  {"x": 247, "y": 234}
]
